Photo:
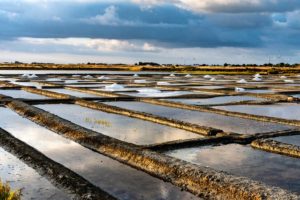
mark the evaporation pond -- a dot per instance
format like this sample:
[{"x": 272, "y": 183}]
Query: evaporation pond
[
  {"x": 272, "y": 169},
  {"x": 115, "y": 178},
  {"x": 121, "y": 127},
  {"x": 73, "y": 93},
  {"x": 226, "y": 123},
  {"x": 294, "y": 139},
  {"x": 286, "y": 111},
  {"x": 20, "y": 176},
  {"x": 22, "y": 94},
  {"x": 156, "y": 93},
  {"x": 216, "y": 100}
]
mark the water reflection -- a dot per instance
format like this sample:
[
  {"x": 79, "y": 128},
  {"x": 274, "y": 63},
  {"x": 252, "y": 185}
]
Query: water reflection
[
  {"x": 73, "y": 93},
  {"x": 272, "y": 169},
  {"x": 22, "y": 94},
  {"x": 157, "y": 94},
  {"x": 295, "y": 139},
  {"x": 226, "y": 123},
  {"x": 216, "y": 100},
  {"x": 118, "y": 126},
  {"x": 286, "y": 111},
  {"x": 120, "y": 180},
  {"x": 20, "y": 176}
]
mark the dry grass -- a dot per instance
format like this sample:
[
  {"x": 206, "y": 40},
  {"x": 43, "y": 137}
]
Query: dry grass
[
  {"x": 7, "y": 194},
  {"x": 101, "y": 122}
]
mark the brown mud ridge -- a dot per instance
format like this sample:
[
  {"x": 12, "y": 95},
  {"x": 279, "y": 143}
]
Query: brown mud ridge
[
  {"x": 277, "y": 147},
  {"x": 57, "y": 174},
  {"x": 201, "y": 181}
]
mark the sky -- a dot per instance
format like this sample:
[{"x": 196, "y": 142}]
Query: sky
[{"x": 163, "y": 31}]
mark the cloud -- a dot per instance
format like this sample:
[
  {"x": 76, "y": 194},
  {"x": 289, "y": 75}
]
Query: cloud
[
  {"x": 8, "y": 14},
  {"x": 227, "y": 6},
  {"x": 110, "y": 17},
  {"x": 104, "y": 45}
]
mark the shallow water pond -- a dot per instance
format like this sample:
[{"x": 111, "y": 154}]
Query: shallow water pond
[
  {"x": 20, "y": 176},
  {"x": 73, "y": 93},
  {"x": 117, "y": 179},
  {"x": 286, "y": 111},
  {"x": 226, "y": 123},
  {"x": 216, "y": 100},
  {"x": 272, "y": 169},
  {"x": 33, "y": 84},
  {"x": 156, "y": 93},
  {"x": 22, "y": 94},
  {"x": 294, "y": 139},
  {"x": 121, "y": 127}
]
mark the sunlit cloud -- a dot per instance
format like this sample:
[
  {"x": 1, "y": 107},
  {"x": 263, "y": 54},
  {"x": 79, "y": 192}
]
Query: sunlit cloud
[{"x": 97, "y": 44}]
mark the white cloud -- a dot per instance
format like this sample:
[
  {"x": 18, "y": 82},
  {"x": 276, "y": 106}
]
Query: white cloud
[
  {"x": 110, "y": 17},
  {"x": 106, "y": 45},
  {"x": 8, "y": 14},
  {"x": 224, "y": 5}
]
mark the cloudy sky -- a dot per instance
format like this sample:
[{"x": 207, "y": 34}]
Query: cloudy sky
[{"x": 164, "y": 31}]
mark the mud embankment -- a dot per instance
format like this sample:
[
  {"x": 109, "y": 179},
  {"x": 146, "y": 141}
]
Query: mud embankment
[{"x": 277, "y": 147}]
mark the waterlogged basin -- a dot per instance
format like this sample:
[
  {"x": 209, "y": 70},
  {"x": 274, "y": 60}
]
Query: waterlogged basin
[
  {"x": 213, "y": 87},
  {"x": 117, "y": 179},
  {"x": 272, "y": 169},
  {"x": 20, "y": 176},
  {"x": 156, "y": 93},
  {"x": 216, "y": 100},
  {"x": 73, "y": 93},
  {"x": 32, "y": 84},
  {"x": 118, "y": 126},
  {"x": 286, "y": 111},
  {"x": 295, "y": 139},
  {"x": 88, "y": 85},
  {"x": 226, "y": 123},
  {"x": 259, "y": 91},
  {"x": 22, "y": 94}
]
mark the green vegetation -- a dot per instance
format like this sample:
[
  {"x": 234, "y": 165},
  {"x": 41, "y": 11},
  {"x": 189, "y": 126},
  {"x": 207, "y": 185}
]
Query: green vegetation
[
  {"x": 98, "y": 122},
  {"x": 7, "y": 194}
]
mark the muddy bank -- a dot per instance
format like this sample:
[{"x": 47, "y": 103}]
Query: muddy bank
[
  {"x": 62, "y": 177},
  {"x": 201, "y": 181},
  {"x": 277, "y": 147}
]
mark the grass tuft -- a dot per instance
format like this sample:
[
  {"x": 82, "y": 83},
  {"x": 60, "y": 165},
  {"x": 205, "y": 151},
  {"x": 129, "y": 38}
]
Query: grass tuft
[{"x": 7, "y": 194}]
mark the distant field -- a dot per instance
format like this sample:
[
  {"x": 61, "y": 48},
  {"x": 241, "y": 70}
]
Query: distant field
[{"x": 177, "y": 68}]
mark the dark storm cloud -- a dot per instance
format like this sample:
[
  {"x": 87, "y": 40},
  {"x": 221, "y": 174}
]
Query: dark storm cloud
[{"x": 239, "y": 24}]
